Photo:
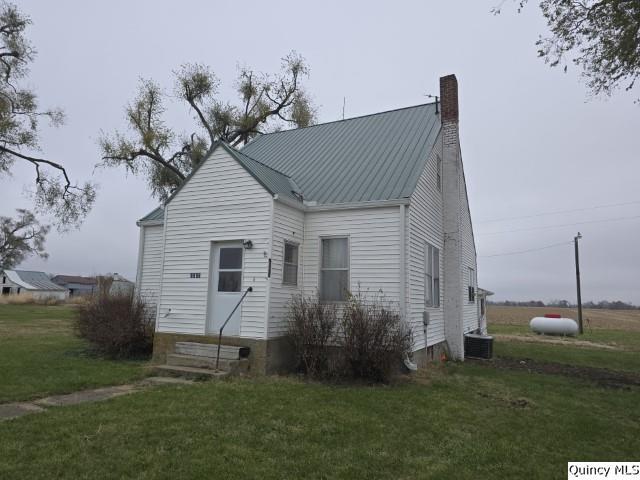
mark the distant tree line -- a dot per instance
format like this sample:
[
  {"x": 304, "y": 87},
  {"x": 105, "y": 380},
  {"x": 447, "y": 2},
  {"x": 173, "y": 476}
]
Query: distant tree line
[{"x": 603, "y": 304}]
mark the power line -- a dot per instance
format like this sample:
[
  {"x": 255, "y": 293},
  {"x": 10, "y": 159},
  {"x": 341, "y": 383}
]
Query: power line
[
  {"x": 562, "y": 225},
  {"x": 558, "y": 212},
  {"x": 526, "y": 251}
]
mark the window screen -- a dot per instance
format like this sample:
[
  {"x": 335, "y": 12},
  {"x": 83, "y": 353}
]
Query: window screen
[
  {"x": 290, "y": 267},
  {"x": 334, "y": 270}
]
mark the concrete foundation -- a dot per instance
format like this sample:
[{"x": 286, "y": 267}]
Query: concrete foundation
[{"x": 433, "y": 353}]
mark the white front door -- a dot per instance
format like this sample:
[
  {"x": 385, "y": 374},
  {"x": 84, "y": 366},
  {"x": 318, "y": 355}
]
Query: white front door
[{"x": 225, "y": 287}]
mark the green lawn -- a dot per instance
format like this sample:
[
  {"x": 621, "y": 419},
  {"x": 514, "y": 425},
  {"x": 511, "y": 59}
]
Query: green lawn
[
  {"x": 626, "y": 356},
  {"x": 468, "y": 422},
  {"x": 462, "y": 421},
  {"x": 39, "y": 355}
]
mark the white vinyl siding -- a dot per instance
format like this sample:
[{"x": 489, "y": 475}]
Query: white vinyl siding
[
  {"x": 374, "y": 248},
  {"x": 151, "y": 263},
  {"x": 469, "y": 309},
  {"x": 425, "y": 227},
  {"x": 288, "y": 226},
  {"x": 221, "y": 202}
]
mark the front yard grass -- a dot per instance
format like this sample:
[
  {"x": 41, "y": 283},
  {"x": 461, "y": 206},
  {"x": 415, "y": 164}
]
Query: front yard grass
[
  {"x": 467, "y": 421},
  {"x": 462, "y": 421},
  {"x": 39, "y": 355}
]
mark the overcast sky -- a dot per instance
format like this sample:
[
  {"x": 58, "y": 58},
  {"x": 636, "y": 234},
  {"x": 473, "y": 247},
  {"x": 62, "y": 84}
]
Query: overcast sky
[{"x": 532, "y": 140}]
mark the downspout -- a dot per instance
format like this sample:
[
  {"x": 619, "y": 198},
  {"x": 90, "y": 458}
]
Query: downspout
[
  {"x": 403, "y": 277},
  {"x": 140, "y": 257},
  {"x": 164, "y": 247},
  {"x": 403, "y": 262}
]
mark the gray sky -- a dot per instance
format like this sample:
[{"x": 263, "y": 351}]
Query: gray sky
[{"x": 532, "y": 140}]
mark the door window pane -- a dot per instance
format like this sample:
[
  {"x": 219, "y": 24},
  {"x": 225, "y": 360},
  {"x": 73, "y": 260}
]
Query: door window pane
[
  {"x": 230, "y": 258},
  {"x": 229, "y": 281}
]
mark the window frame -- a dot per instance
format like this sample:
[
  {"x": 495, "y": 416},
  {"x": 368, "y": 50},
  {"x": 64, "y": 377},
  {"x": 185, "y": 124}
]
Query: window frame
[
  {"x": 320, "y": 269},
  {"x": 432, "y": 276},
  {"x": 471, "y": 293},
  {"x": 284, "y": 262}
]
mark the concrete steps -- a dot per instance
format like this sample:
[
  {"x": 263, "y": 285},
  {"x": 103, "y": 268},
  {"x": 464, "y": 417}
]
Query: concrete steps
[
  {"x": 232, "y": 366},
  {"x": 197, "y": 361}
]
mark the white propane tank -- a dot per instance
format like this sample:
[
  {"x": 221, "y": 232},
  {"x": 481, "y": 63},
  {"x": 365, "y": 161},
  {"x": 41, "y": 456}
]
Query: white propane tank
[{"x": 553, "y": 324}]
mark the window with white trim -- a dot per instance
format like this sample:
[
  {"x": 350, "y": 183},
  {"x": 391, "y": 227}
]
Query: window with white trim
[
  {"x": 472, "y": 285},
  {"x": 432, "y": 276},
  {"x": 334, "y": 269},
  {"x": 290, "y": 265}
]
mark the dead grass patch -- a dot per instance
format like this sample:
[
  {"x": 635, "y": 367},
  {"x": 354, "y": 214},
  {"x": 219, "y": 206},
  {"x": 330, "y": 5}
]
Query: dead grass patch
[
  {"x": 555, "y": 341},
  {"x": 627, "y": 320}
]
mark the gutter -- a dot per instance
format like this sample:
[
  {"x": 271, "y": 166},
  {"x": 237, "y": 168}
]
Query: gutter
[{"x": 308, "y": 206}]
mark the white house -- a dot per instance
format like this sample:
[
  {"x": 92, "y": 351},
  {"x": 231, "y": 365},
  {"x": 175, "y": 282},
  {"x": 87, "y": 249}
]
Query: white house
[
  {"x": 36, "y": 284},
  {"x": 376, "y": 203}
]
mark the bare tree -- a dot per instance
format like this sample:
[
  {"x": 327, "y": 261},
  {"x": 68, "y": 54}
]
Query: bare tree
[
  {"x": 266, "y": 103},
  {"x": 21, "y": 238},
  {"x": 20, "y": 116}
]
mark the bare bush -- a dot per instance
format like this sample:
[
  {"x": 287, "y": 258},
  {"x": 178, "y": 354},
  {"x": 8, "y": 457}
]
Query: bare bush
[
  {"x": 119, "y": 326},
  {"x": 374, "y": 339},
  {"x": 311, "y": 332}
]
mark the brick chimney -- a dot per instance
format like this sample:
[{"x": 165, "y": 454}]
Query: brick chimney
[
  {"x": 449, "y": 98},
  {"x": 451, "y": 204}
]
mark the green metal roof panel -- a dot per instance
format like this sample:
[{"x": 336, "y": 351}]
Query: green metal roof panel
[
  {"x": 375, "y": 157},
  {"x": 274, "y": 181},
  {"x": 153, "y": 216}
]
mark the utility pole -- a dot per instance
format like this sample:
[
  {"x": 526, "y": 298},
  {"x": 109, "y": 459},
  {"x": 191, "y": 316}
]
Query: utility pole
[{"x": 575, "y": 243}]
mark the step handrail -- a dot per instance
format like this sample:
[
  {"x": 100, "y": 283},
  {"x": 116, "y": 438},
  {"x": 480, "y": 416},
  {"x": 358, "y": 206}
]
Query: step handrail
[{"x": 250, "y": 289}]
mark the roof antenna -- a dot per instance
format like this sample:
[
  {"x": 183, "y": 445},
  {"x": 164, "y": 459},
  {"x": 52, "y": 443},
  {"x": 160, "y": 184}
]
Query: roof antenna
[
  {"x": 344, "y": 102},
  {"x": 437, "y": 98}
]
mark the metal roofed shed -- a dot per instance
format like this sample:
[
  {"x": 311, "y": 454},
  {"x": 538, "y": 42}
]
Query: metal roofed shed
[
  {"x": 368, "y": 158},
  {"x": 37, "y": 284}
]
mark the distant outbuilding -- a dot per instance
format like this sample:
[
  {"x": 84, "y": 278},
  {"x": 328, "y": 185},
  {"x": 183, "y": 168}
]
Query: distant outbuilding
[
  {"x": 76, "y": 285},
  {"x": 36, "y": 284}
]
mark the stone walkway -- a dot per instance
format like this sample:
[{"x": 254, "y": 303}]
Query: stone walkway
[{"x": 18, "y": 409}]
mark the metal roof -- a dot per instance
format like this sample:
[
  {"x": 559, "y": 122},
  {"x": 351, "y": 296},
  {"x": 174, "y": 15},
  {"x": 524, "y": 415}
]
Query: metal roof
[
  {"x": 66, "y": 279},
  {"x": 274, "y": 181},
  {"x": 154, "y": 216},
  {"x": 374, "y": 157},
  {"x": 32, "y": 280}
]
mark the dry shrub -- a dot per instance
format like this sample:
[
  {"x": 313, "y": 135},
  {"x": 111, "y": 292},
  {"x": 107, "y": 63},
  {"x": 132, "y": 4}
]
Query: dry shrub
[
  {"x": 311, "y": 330},
  {"x": 14, "y": 299},
  {"x": 27, "y": 299},
  {"x": 368, "y": 342},
  {"x": 78, "y": 300},
  {"x": 374, "y": 339},
  {"x": 118, "y": 326}
]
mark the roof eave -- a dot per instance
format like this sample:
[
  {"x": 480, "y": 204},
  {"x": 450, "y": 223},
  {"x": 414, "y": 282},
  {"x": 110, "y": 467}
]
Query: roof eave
[{"x": 343, "y": 206}]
